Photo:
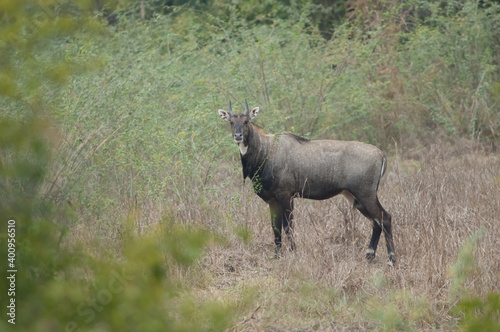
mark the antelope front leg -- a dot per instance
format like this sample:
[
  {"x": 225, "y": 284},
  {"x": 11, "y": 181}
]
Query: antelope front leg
[
  {"x": 287, "y": 208},
  {"x": 276, "y": 224}
]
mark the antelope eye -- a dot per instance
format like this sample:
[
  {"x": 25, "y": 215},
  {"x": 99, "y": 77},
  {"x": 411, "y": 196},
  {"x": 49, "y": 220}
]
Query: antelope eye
[
  {"x": 246, "y": 122},
  {"x": 231, "y": 122}
]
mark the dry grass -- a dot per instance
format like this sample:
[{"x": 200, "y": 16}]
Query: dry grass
[
  {"x": 437, "y": 203},
  {"x": 438, "y": 200}
]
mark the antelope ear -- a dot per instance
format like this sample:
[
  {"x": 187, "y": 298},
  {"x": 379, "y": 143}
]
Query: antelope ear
[
  {"x": 253, "y": 112},
  {"x": 223, "y": 114}
]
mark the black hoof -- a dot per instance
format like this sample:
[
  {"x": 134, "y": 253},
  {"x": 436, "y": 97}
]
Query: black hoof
[{"x": 370, "y": 254}]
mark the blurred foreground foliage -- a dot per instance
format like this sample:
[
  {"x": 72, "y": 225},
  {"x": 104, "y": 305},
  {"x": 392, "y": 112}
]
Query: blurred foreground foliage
[
  {"x": 480, "y": 314},
  {"x": 111, "y": 150},
  {"x": 139, "y": 282},
  {"x": 476, "y": 313}
]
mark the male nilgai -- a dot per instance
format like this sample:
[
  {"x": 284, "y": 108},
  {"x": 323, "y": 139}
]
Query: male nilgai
[{"x": 286, "y": 166}]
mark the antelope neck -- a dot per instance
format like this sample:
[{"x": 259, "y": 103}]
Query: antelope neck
[
  {"x": 254, "y": 151},
  {"x": 243, "y": 148}
]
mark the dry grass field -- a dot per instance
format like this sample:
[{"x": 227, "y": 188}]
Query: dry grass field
[{"x": 445, "y": 205}]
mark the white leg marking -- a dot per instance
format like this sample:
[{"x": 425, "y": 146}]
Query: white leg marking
[
  {"x": 370, "y": 251},
  {"x": 392, "y": 257},
  {"x": 243, "y": 148}
]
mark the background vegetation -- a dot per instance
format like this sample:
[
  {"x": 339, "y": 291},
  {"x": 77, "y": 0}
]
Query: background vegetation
[{"x": 127, "y": 191}]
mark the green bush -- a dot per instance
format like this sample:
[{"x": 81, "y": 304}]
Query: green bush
[
  {"x": 481, "y": 314},
  {"x": 476, "y": 313},
  {"x": 64, "y": 280}
]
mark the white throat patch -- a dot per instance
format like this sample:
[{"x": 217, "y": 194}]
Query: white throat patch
[{"x": 243, "y": 148}]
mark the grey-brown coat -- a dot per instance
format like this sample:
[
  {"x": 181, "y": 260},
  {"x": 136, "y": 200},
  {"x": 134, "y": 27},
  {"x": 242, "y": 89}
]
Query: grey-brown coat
[{"x": 285, "y": 166}]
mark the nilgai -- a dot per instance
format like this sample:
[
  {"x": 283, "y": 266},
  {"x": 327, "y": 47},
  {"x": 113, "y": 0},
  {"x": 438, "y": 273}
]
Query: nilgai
[{"x": 284, "y": 166}]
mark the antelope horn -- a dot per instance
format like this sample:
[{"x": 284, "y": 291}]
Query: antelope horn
[
  {"x": 246, "y": 107},
  {"x": 230, "y": 109}
]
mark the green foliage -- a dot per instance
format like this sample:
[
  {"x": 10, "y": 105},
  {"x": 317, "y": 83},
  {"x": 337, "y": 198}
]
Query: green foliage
[
  {"x": 63, "y": 281},
  {"x": 25, "y": 32},
  {"x": 481, "y": 314},
  {"x": 321, "y": 13},
  {"x": 29, "y": 30},
  {"x": 464, "y": 267},
  {"x": 476, "y": 313},
  {"x": 455, "y": 62},
  {"x": 62, "y": 287}
]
